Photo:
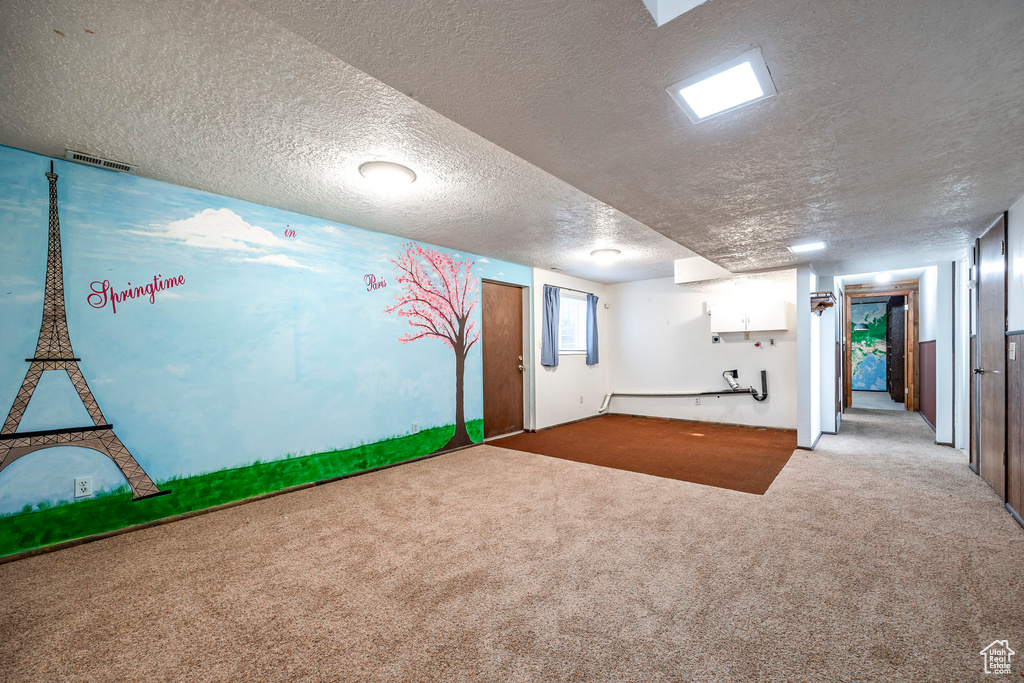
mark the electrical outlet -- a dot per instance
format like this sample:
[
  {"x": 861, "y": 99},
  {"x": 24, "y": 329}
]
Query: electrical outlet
[
  {"x": 581, "y": 399},
  {"x": 83, "y": 487},
  {"x": 415, "y": 428},
  {"x": 716, "y": 339},
  {"x": 1013, "y": 350},
  {"x": 696, "y": 401}
]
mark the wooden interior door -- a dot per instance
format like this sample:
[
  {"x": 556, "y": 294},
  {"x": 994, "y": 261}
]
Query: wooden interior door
[
  {"x": 990, "y": 373},
  {"x": 502, "y": 348},
  {"x": 1015, "y": 428},
  {"x": 896, "y": 341},
  {"x": 973, "y": 401}
]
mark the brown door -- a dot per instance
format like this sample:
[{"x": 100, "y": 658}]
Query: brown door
[
  {"x": 990, "y": 373},
  {"x": 896, "y": 348},
  {"x": 502, "y": 359}
]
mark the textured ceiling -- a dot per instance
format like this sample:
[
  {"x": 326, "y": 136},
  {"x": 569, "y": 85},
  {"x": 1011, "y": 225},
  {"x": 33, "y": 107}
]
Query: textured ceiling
[
  {"x": 214, "y": 96},
  {"x": 897, "y": 134}
]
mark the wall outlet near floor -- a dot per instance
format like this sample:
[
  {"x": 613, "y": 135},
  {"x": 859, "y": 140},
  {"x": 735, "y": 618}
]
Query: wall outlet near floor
[
  {"x": 83, "y": 487},
  {"x": 696, "y": 400},
  {"x": 415, "y": 428}
]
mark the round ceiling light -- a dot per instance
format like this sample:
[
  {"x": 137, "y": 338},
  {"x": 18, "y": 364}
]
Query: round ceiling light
[
  {"x": 883, "y": 277},
  {"x": 387, "y": 175},
  {"x": 605, "y": 257}
]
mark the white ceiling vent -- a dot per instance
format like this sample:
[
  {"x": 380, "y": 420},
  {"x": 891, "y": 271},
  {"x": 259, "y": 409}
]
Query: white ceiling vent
[{"x": 99, "y": 162}]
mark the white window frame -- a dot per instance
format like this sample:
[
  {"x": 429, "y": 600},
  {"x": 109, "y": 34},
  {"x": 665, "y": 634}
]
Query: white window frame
[{"x": 581, "y": 336}]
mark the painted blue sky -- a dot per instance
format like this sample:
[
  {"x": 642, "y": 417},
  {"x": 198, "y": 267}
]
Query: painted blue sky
[{"x": 271, "y": 346}]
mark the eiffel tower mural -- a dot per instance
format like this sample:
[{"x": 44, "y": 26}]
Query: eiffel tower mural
[{"x": 53, "y": 352}]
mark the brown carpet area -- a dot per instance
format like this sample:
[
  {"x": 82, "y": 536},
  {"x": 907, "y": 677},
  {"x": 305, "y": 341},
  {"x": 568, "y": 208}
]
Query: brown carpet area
[
  {"x": 877, "y": 557},
  {"x": 738, "y": 458}
]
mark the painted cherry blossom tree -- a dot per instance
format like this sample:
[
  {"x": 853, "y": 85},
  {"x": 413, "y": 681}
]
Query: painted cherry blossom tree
[{"x": 437, "y": 297}]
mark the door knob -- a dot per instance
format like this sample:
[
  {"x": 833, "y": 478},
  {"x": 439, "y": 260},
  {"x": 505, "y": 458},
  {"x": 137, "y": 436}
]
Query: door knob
[
  {"x": 979, "y": 371},
  {"x": 521, "y": 368}
]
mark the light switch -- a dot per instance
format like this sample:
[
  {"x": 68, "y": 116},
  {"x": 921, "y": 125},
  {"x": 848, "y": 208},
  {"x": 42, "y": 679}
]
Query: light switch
[{"x": 1013, "y": 350}]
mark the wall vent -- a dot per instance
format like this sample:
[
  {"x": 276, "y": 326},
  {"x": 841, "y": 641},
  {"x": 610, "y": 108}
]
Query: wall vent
[{"x": 99, "y": 162}]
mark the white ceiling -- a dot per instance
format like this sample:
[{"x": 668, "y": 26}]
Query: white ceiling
[
  {"x": 897, "y": 124},
  {"x": 214, "y": 96},
  {"x": 897, "y": 134},
  {"x": 897, "y": 276}
]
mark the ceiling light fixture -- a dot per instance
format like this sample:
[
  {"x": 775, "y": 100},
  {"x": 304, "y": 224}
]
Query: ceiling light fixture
[
  {"x": 605, "y": 257},
  {"x": 737, "y": 83},
  {"x": 810, "y": 246},
  {"x": 387, "y": 175},
  {"x": 883, "y": 277}
]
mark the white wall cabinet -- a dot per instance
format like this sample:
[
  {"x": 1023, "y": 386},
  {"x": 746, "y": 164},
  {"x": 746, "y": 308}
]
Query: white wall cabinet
[{"x": 741, "y": 317}]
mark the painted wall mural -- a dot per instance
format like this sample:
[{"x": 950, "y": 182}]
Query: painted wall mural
[
  {"x": 868, "y": 346},
  {"x": 234, "y": 349}
]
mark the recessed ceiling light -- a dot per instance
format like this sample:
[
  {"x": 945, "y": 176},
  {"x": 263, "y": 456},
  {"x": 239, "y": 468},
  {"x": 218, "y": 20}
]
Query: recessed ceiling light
[
  {"x": 605, "y": 256},
  {"x": 810, "y": 246},
  {"x": 387, "y": 175},
  {"x": 740, "y": 81},
  {"x": 883, "y": 277}
]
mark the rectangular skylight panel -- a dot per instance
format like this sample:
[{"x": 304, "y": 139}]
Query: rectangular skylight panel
[
  {"x": 724, "y": 90},
  {"x": 736, "y": 83},
  {"x": 802, "y": 248}
]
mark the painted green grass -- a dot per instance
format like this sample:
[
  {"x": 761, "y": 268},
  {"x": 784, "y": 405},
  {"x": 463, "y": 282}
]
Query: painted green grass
[{"x": 48, "y": 524}]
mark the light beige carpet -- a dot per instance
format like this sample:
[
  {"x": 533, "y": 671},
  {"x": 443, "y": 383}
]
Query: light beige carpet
[{"x": 879, "y": 556}]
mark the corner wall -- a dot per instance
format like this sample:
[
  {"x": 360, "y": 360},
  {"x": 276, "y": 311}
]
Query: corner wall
[
  {"x": 573, "y": 390},
  {"x": 828, "y": 330},
  {"x": 1015, "y": 288},
  {"x": 937, "y": 327},
  {"x": 808, "y": 361},
  {"x": 661, "y": 342}
]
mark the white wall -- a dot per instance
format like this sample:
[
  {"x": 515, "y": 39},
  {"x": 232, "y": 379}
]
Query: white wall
[
  {"x": 808, "y": 361},
  {"x": 944, "y": 324},
  {"x": 1015, "y": 294},
  {"x": 661, "y": 342},
  {"x": 558, "y": 391},
  {"x": 963, "y": 354},
  {"x": 928, "y": 304},
  {"x": 828, "y": 328}
]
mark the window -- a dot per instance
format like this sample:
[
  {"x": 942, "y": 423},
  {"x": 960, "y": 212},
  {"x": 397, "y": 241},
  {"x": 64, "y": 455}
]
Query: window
[{"x": 572, "y": 323}]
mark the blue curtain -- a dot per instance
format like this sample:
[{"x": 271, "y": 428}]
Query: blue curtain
[
  {"x": 549, "y": 327},
  {"x": 591, "y": 329}
]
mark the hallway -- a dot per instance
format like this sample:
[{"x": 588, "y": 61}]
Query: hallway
[{"x": 875, "y": 400}]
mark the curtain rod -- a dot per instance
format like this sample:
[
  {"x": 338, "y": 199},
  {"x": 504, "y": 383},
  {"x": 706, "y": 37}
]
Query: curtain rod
[{"x": 570, "y": 289}]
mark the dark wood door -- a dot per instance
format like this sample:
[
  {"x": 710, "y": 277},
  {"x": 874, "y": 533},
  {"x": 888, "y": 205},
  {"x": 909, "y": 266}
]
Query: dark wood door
[
  {"x": 973, "y": 446},
  {"x": 990, "y": 373},
  {"x": 1015, "y": 429},
  {"x": 896, "y": 348},
  {"x": 502, "y": 344}
]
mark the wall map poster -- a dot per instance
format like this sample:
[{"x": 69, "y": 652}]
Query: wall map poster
[{"x": 868, "y": 346}]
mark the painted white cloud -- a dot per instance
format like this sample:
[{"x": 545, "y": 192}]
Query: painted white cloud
[
  {"x": 220, "y": 229},
  {"x": 277, "y": 260}
]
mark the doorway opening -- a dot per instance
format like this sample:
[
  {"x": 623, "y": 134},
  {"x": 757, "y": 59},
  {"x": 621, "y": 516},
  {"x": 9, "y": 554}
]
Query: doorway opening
[
  {"x": 881, "y": 349},
  {"x": 878, "y": 350}
]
